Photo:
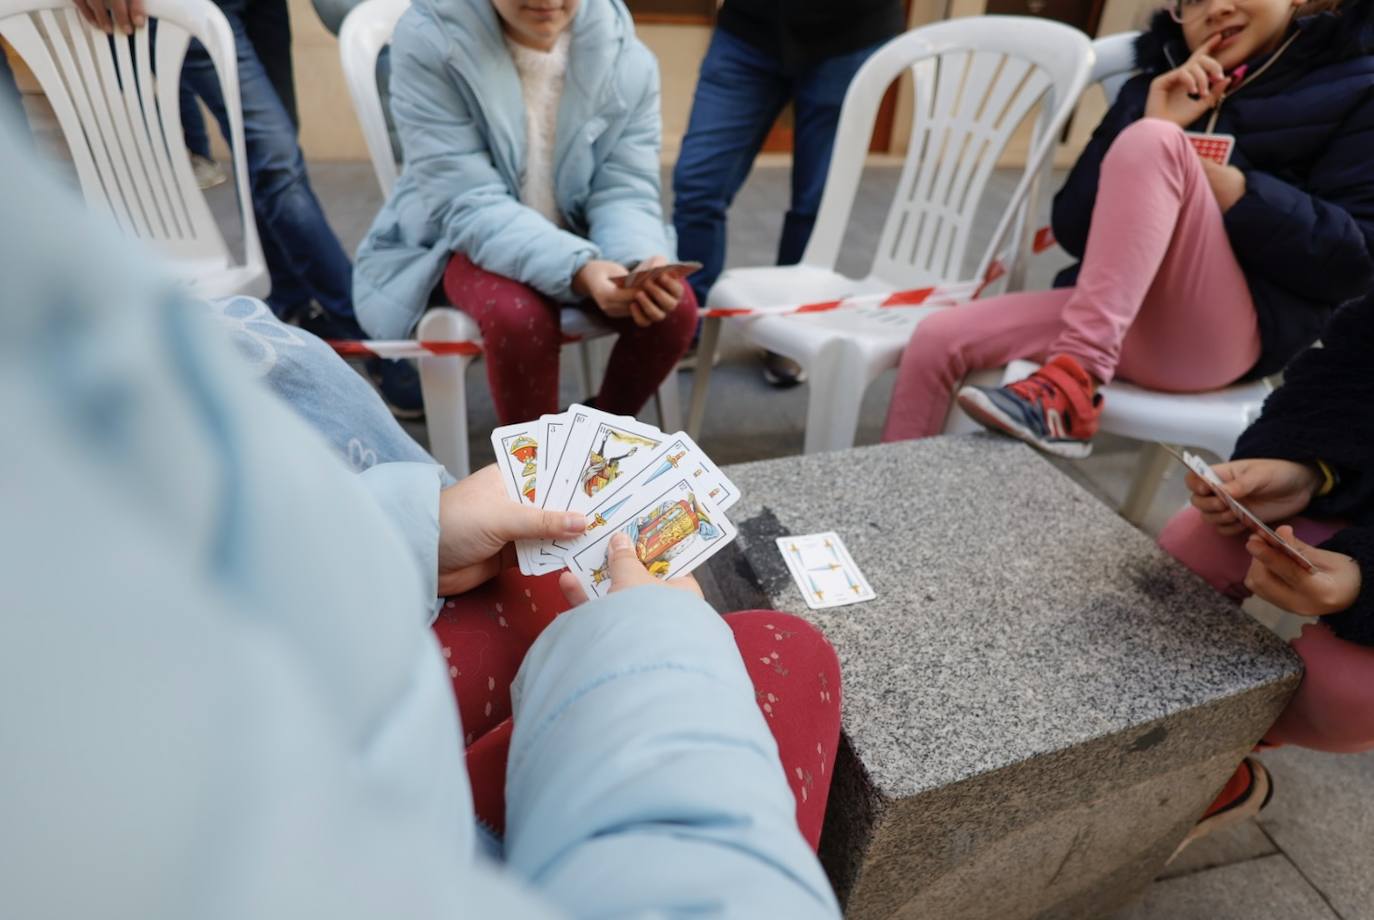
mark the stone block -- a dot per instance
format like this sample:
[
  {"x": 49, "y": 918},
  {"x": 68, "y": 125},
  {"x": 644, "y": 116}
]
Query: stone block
[{"x": 1038, "y": 704}]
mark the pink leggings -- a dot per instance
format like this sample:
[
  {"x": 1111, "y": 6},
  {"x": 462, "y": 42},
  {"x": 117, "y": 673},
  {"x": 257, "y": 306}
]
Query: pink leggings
[
  {"x": 1160, "y": 300},
  {"x": 520, "y": 332},
  {"x": 1333, "y": 709}
]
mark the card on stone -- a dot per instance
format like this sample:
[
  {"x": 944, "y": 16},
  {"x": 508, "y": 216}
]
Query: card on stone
[
  {"x": 824, "y": 571},
  {"x": 673, "y": 529}
]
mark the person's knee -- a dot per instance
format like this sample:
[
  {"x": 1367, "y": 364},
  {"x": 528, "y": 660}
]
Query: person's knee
[
  {"x": 277, "y": 165},
  {"x": 1196, "y": 544},
  {"x": 1149, "y": 143},
  {"x": 1337, "y": 687}
]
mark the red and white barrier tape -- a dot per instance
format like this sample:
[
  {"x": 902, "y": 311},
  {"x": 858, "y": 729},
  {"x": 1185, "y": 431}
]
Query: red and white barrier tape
[{"x": 936, "y": 295}]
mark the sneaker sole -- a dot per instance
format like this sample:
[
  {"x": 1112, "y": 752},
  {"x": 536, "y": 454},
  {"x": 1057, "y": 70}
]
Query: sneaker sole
[
  {"x": 1261, "y": 791},
  {"x": 986, "y": 413}
]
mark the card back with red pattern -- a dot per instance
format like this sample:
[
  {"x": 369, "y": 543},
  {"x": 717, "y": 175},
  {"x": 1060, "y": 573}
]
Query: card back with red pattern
[{"x": 1214, "y": 147}]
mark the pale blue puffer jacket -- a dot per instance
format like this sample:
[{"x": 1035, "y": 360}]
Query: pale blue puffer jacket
[{"x": 456, "y": 99}]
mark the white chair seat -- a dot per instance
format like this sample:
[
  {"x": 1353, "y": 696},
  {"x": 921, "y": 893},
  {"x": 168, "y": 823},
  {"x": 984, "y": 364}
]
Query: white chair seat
[
  {"x": 228, "y": 281},
  {"x": 1212, "y": 420}
]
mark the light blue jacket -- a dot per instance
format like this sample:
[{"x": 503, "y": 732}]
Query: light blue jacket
[
  {"x": 219, "y": 695},
  {"x": 456, "y": 99}
]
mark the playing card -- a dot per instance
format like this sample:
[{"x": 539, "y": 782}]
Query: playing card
[
  {"x": 517, "y": 456},
  {"x": 678, "y": 457},
  {"x": 674, "y": 530},
  {"x": 641, "y": 277},
  {"x": 600, "y": 449},
  {"x": 1214, "y": 147},
  {"x": 824, "y": 571},
  {"x": 1246, "y": 516}
]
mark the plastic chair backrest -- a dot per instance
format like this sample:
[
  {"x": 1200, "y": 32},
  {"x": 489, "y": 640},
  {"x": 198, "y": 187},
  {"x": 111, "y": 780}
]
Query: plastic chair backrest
[
  {"x": 974, "y": 82},
  {"x": 365, "y": 32},
  {"x": 1115, "y": 62},
  {"x": 117, "y": 102}
]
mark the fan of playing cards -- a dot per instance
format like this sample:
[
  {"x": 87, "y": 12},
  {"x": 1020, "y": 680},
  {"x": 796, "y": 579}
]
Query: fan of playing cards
[{"x": 659, "y": 489}]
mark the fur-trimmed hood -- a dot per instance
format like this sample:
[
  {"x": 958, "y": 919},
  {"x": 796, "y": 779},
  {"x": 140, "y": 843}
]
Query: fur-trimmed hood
[{"x": 1332, "y": 35}]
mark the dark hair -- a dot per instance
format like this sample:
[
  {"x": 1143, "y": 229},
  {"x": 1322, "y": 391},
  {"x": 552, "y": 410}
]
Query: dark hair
[{"x": 1313, "y": 7}]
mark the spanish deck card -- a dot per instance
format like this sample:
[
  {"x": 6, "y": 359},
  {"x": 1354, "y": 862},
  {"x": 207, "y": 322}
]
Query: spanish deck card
[
  {"x": 824, "y": 571},
  {"x": 679, "y": 456},
  {"x": 674, "y": 529},
  {"x": 1244, "y": 514},
  {"x": 600, "y": 449},
  {"x": 517, "y": 456}
]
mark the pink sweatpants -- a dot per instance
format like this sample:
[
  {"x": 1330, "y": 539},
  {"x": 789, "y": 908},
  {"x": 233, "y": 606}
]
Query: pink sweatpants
[
  {"x": 1160, "y": 301},
  {"x": 1333, "y": 709},
  {"x": 520, "y": 332}
]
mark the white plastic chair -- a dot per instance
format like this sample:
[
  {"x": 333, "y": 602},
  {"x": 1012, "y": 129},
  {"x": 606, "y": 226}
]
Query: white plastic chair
[
  {"x": 365, "y": 32},
  {"x": 975, "y": 81},
  {"x": 1212, "y": 420},
  {"x": 117, "y": 103}
]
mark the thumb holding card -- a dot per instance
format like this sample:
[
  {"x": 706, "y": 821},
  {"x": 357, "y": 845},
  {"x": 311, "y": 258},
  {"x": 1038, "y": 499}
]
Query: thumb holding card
[
  {"x": 1330, "y": 587},
  {"x": 626, "y": 571}
]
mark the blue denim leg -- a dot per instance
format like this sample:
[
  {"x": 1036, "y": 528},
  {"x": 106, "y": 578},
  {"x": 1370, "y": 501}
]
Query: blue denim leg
[
  {"x": 739, "y": 93},
  {"x": 331, "y": 396},
  {"x": 819, "y": 95},
  {"x": 192, "y": 124},
  {"x": 303, "y": 255}
]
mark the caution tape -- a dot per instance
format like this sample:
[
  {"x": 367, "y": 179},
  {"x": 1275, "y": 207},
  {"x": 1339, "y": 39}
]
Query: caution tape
[{"x": 934, "y": 295}]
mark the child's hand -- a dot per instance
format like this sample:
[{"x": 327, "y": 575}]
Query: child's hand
[
  {"x": 594, "y": 280},
  {"x": 657, "y": 298},
  {"x": 1227, "y": 182},
  {"x": 1273, "y": 489},
  {"x": 1282, "y": 582},
  {"x": 1184, "y": 94},
  {"x": 626, "y": 572}
]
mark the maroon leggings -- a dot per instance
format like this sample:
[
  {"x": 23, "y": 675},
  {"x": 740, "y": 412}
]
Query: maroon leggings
[
  {"x": 521, "y": 338},
  {"x": 486, "y": 632}
]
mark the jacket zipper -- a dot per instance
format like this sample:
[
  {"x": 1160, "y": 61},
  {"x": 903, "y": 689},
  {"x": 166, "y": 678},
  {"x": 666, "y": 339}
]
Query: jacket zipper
[{"x": 1250, "y": 78}]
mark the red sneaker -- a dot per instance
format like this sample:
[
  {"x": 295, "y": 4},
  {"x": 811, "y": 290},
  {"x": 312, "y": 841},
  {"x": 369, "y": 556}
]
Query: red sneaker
[
  {"x": 1054, "y": 409},
  {"x": 1247, "y": 792}
]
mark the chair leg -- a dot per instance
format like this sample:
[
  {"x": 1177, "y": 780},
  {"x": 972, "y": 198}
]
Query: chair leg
[
  {"x": 669, "y": 404},
  {"x": 701, "y": 377},
  {"x": 1153, "y": 465},
  {"x": 444, "y": 389},
  {"x": 584, "y": 354},
  {"x": 838, "y": 379}
]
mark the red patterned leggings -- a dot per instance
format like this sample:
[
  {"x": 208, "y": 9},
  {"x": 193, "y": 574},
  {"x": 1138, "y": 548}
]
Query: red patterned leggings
[
  {"x": 485, "y": 634},
  {"x": 521, "y": 338}
]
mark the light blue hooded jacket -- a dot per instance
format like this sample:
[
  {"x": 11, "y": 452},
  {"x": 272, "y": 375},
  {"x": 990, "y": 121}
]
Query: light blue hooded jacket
[
  {"x": 456, "y": 99},
  {"x": 219, "y": 695}
]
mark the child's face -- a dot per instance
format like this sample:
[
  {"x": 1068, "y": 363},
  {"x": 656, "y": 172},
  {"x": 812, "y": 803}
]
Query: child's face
[
  {"x": 536, "y": 23},
  {"x": 1247, "y": 27}
]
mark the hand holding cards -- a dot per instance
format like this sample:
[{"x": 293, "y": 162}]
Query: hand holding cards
[
  {"x": 1243, "y": 514},
  {"x": 640, "y": 277},
  {"x": 625, "y": 476}
]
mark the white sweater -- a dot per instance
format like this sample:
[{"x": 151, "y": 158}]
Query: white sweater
[{"x": 541, "y": 84}]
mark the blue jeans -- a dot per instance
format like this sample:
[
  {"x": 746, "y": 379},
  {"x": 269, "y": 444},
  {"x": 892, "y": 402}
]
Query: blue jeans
[
  {"x": 740, "y": 92},
  {"x": 304, "y": 257}
]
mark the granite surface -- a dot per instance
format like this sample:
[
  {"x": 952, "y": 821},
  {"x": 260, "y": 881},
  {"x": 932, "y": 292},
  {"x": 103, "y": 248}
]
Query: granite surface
[
  {"x": 1037, "y": 705},
  {"x": 1270, "y": 888}
]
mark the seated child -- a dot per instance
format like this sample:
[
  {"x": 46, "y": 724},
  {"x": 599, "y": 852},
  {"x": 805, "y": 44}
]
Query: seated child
[
  {"x": 1194, "y": 275},
  {"x": 531, "y": 137},
  {"x": 1308, "y": 462}
]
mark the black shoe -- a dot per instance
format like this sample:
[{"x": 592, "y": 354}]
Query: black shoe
[
  {"x": 781, "y": 371},
  {"x": 399, "y": 383},
  {"x": 316, "y": 320}
]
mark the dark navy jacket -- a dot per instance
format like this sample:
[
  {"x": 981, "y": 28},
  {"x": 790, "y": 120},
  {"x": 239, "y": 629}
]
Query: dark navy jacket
[
  {"x": 1325, "y": 411},
  {"x": 1304, "y": 129}
]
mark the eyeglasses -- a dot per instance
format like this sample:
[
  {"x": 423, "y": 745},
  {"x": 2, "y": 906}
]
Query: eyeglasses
[{"x": 1187, "y": 10}]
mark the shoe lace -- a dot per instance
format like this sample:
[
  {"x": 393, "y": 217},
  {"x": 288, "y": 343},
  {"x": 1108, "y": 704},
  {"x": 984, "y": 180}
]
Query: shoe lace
[{"x": 1035, "y": 389}]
